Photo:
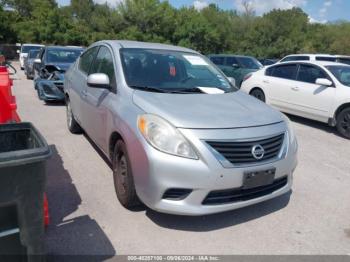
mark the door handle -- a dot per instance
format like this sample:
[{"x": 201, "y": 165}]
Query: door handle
[{"x": 295, "y": 88}]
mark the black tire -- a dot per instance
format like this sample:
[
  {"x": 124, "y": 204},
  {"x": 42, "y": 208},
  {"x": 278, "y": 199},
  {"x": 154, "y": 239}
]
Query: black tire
[
  {"x": 343, "y": 122},
  {"x": 123, "y": 178},
  {"x": 72, "y": 124},
  {"x": 258, "y": 94}
]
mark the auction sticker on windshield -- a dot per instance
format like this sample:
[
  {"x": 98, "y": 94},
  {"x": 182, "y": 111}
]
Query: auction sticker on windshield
[{"x": 195, "y": 60}]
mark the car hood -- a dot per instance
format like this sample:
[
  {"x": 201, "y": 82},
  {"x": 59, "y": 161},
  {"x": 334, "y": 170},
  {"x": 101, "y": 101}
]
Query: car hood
[{"x": 204, "y": 111}]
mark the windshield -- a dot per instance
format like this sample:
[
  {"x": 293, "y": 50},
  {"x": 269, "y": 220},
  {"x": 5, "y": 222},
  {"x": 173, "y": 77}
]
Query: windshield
[
  {"x": 172, "y": 71},
  {"x": 342, "y": 73},
  {"x": 27, "y": 48},
  {"x": 249, "y": 62},
  {"x": 63, "y": 55},
  {"x": 33, "y": 53}
]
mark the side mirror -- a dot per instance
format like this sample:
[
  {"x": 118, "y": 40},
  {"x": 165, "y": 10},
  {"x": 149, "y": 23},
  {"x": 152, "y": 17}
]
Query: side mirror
[
  {"x": 98, "y": 80},
  {"x": 235, "y": 65},
  {"x": 37, "y": 61},
  {"x": 323, "y": 82},
  {"x": 18, "y": 52},
  {"x": 232, "y": 81}
]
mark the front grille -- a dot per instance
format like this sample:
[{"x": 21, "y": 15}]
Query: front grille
[
  {"x": 240, "y": 152},
  {"x": 228, "y": 196},
  {"x": 176, "y": 193}
]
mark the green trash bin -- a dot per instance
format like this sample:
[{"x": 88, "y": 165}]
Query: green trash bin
[{"x": 23, "y": 155}]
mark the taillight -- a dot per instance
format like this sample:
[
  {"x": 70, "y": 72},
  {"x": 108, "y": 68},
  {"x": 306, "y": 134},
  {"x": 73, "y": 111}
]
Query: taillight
[{"x": 247, "y": 76}]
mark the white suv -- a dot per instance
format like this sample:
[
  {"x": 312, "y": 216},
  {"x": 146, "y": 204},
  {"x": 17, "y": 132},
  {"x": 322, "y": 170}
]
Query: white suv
[
  {"x": 309, "y": 57},
  {"x": 25, "y": 48},
  {"x": 316, "y": 57},
  {"x": 316, "y": 90}
]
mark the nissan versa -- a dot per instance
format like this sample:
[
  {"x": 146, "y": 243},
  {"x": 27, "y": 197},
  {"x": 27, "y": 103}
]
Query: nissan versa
[{"x": 181, "y": 137}]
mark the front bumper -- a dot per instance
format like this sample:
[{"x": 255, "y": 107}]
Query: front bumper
[
  {"x": 155, "y": 172},
  {"x": 50, "y": 90}
]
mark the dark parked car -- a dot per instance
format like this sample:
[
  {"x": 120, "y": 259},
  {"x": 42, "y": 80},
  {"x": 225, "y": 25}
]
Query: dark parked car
[
  {"x": 268, "y": 61},
  {"x": 236, "y": 66},
  {"x": 50, "y": 66},
  {"x": 29, "y": 63}
]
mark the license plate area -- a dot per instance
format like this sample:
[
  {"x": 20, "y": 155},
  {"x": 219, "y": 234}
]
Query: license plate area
[{"x": 258, "y": 178}]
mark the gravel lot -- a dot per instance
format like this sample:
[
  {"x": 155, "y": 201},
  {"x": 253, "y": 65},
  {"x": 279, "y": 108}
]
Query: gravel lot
[{"x": 86, "y": 217}]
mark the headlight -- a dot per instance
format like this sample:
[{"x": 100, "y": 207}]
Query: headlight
[{"x": 164, "y": 137}]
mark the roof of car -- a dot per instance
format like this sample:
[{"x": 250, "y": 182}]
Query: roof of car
[
  {"x": 228, "y": 55},
  {"x": 32, "y": 44},
  {"x": 309, "y": 55},
  {"x": 319, "y": 63},
  {"x": 63, "y": 47},
  {"x": 145, "y": 45}
]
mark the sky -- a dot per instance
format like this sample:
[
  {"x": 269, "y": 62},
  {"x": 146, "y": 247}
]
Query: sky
[{"x": 320, "y": 11}]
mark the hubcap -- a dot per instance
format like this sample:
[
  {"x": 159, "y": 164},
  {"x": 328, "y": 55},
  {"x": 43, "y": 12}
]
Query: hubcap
[
  {"x": 257, "y": 95},
  {"x": 345, "y": 123},
  {"x": 122, "y": 173}
]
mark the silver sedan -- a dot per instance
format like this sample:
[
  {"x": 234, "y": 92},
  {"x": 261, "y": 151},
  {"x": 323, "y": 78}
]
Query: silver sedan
[{"x": 181, "y": 137}]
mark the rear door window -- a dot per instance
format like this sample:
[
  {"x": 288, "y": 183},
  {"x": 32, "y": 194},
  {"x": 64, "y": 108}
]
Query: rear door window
[{"x": 285, "y": 71}]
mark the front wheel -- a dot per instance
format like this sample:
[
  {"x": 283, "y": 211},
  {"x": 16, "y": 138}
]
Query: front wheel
[
  {"x": 343, "y": 122},
  {"x": 123, "y": 178},
  {"x": 72, "y": 124},
  {"x": 258, "y": 94}
]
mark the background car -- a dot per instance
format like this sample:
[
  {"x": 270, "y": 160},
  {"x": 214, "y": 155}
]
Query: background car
[
  {"x": 236, "y": 66},
  {"x": 309, "y": 57},
  {"x": 343, "y": 59},
  {"x": 50, "y": 66},
  {"x": 29, "y": 63},
  {"x": 25, "y": 48},
  {"x": 268, "y": 61},
  {"x": 316, "y": 90},
  {"x": 317, "y": 57},
  {"x": 181, "y": 138}
]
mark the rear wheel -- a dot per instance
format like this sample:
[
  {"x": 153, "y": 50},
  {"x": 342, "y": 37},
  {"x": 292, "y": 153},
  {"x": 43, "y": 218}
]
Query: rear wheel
[
  {"x": 258, "y": 94},
  {"x": 343, "y": 122},
  {"x": 72, "y": 124},
  {"x": 123, "y": 178}
]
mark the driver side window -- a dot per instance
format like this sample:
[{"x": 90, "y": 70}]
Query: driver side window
[
  {"x": 104, "y": 64},
  {"x": 309, "y": 74}
]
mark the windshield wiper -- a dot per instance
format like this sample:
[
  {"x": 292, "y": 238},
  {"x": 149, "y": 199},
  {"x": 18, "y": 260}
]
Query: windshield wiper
[
  {"x": 149, "y": 88},
  {"x": 185, "y": 90}
]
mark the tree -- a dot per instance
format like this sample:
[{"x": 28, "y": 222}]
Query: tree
[
  {"x": 7, "y": 34},
  {"x": 210, "y": 30}
]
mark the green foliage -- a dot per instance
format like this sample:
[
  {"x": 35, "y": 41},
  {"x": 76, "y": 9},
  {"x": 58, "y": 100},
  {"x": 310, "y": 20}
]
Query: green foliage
[
  {"x": 211, "y": 30},
  {"x": 7, "y": 34}
]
